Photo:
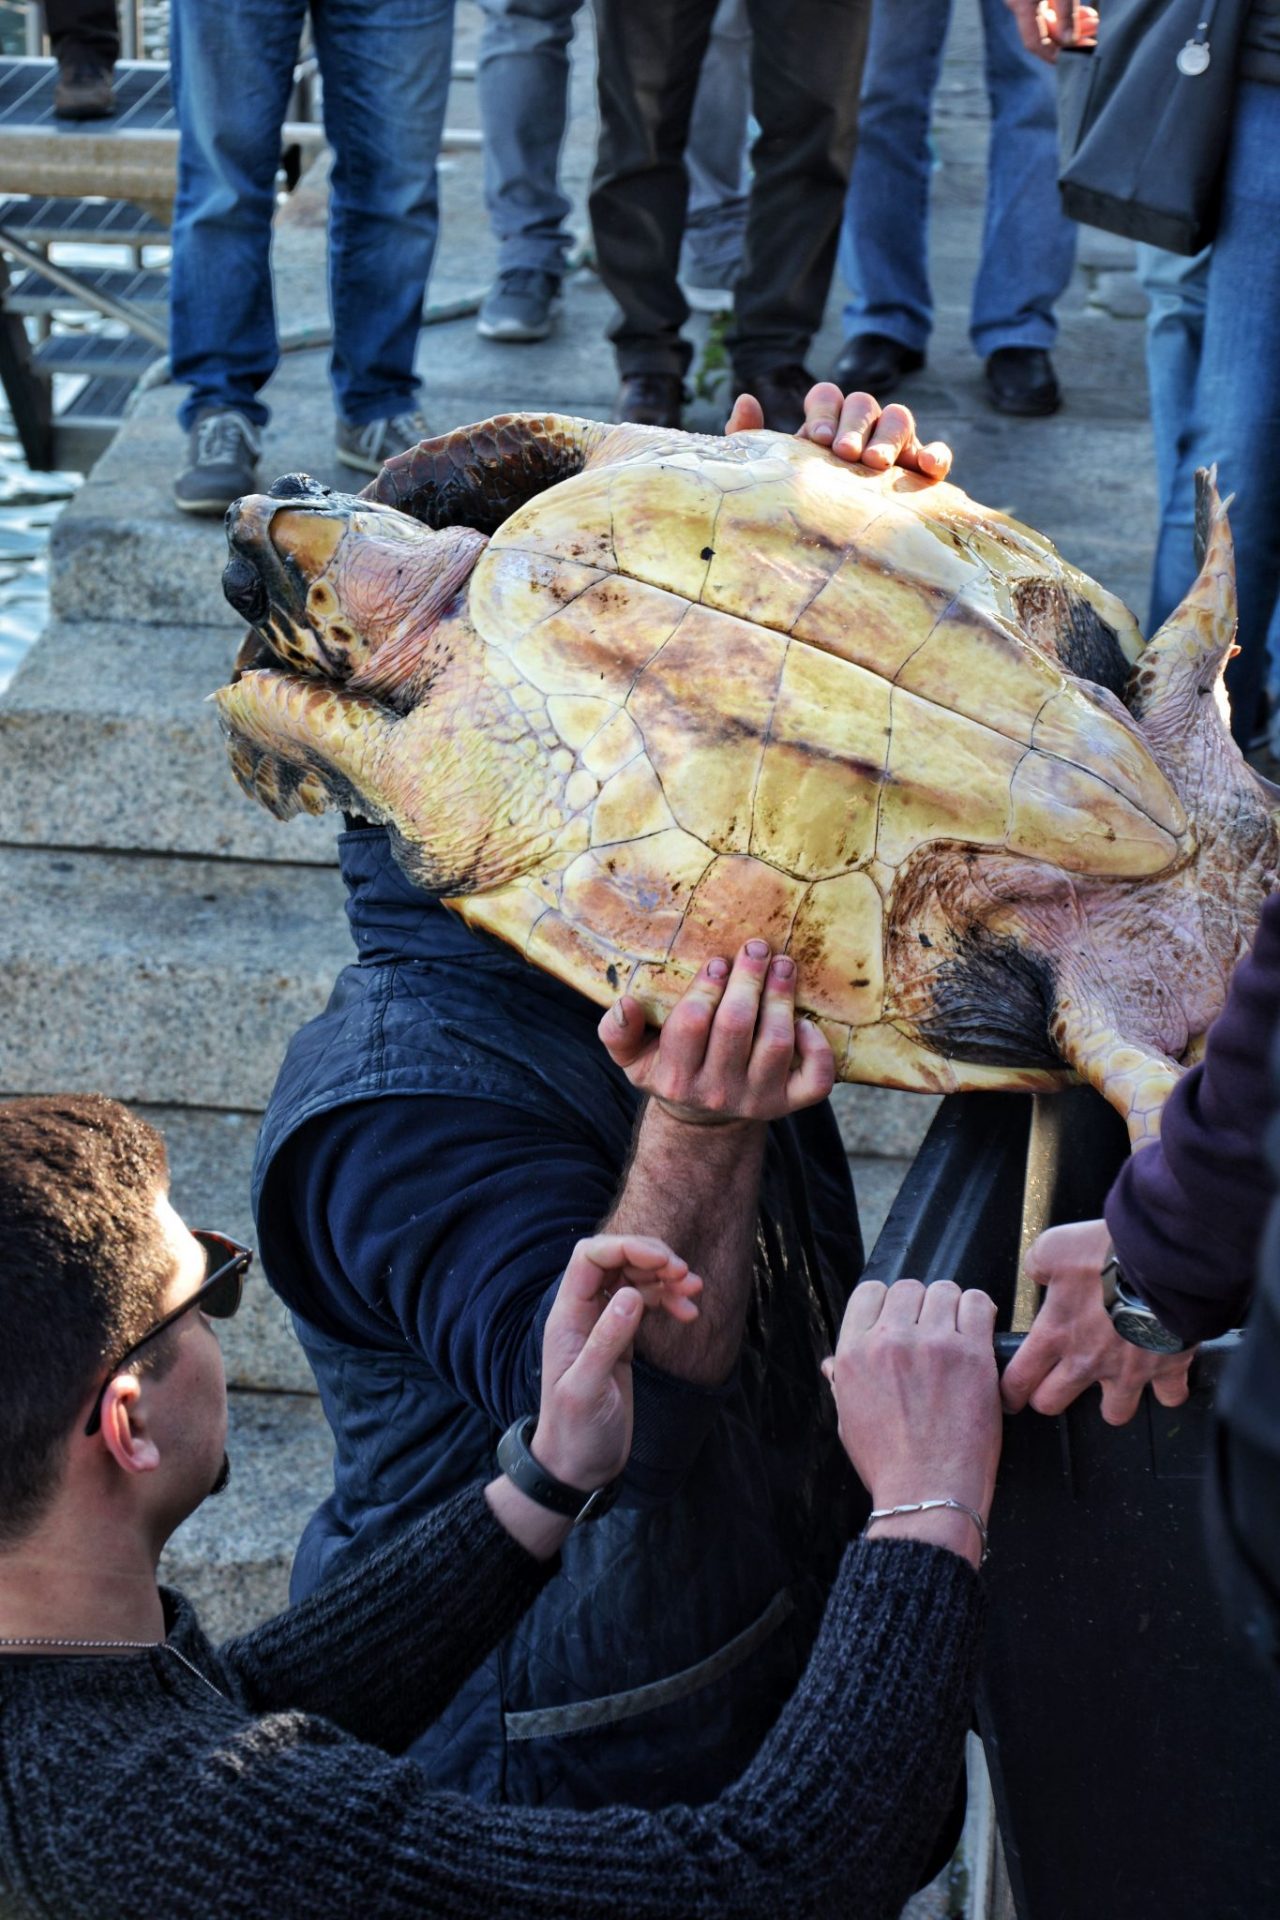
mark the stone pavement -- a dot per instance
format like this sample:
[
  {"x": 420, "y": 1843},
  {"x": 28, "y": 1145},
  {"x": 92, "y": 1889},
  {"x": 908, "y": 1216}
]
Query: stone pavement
[{"x": 164, "y": 937}]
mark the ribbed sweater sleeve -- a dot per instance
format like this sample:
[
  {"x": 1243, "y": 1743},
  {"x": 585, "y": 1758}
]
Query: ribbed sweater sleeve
[
  {"x": 284, "y": 1815},
  {"x": 1186, "y": 1214},
  {"x": 383, "y": 1651}
]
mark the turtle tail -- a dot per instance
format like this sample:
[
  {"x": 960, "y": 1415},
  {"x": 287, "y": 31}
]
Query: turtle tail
[
  {"x": 1186, "y": 659},
  {"x": 477, "y": 476}
]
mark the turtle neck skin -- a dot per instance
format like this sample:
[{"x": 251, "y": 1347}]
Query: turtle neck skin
[{"x": 128, "y": 1787}]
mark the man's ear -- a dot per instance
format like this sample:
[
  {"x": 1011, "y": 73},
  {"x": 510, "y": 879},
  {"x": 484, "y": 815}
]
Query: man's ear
[{"x": 125, "y": 1433}]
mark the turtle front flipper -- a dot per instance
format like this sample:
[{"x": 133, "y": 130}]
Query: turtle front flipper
[
  {"x": 460, "y": 818},
  {"x": 477, "y": 476},
  {"x": 1135, "y": 1079}
]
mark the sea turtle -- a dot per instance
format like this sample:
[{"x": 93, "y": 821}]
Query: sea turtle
[{"x": 624, "y": 695}]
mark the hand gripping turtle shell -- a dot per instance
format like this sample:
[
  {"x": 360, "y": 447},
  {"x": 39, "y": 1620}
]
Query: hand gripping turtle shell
[{"x": 624, "y": 696}]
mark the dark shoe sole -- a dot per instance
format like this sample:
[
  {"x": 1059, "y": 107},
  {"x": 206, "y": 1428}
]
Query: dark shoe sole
[{"x": 1025, "y": 406}]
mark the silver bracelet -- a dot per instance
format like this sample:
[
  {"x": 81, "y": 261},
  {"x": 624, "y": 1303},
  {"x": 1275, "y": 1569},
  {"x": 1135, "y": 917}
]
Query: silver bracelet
[{"x": 928, "y": 1506}]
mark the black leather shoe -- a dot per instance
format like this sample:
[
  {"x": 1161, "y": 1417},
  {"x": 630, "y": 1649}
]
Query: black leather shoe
[
  {"x": 651, "y": 399},
  {"x": 1022, "y": 380},
  {"x": 781, "y": 392},
  {"x": 873, "y": 363}
]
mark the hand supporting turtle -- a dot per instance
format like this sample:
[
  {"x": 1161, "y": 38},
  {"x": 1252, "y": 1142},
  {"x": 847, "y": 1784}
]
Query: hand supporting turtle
[{"x": 855, "y": 427}]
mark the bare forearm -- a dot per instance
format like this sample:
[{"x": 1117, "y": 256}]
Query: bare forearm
[{"x": 697, "y": 1188}]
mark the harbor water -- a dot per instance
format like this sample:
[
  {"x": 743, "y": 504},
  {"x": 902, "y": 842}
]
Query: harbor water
[{"x": 30, "y": 502}]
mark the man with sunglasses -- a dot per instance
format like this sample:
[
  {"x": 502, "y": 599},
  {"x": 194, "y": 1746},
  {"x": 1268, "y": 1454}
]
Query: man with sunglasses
[{"x": 146, "y": 1771}]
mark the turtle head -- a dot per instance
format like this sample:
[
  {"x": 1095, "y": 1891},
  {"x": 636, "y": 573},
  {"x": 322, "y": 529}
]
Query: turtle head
[{"x": 333, "y": 584}]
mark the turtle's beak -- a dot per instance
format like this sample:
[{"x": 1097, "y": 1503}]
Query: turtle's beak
[{"x": 280, "y": 548}]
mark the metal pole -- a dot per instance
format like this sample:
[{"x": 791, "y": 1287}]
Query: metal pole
[
  {"x": 128, "y": 29},
  {"x": 34, "y": 26}
]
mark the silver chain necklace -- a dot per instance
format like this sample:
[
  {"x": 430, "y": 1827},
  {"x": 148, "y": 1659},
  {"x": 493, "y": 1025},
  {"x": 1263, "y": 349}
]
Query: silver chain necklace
[{"x": 129, "y": 1646}]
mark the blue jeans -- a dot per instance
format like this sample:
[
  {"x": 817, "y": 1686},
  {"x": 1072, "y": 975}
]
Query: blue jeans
[
  {"x": 1028, "y": 244},
  {"x": 385, "y": 67},
  {"x": 1233, "y": 417},
  {"x": 522, "y": 77},
  {"x": 1177, "y": 287}
]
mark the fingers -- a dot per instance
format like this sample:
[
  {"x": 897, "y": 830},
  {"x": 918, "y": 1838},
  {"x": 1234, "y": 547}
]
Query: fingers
[
  {"x": 733, "y": 1033},
  {"x": 639, "y": 1261},
  {"x": 813, "y": 1073},
  {"x": 1173, "y": 1388},
  {"x": 1035, "y": 1358},
  {"x": 866, "y": 1303},
  {"x": 747, "y": 415},
  {"x": 902, "y": 1304},
  {"x": 608, "y": 1342},
  {"x": 823, "y": 411},
  {"x": 609, "y": 1263},
  {"x": 976, "y": 1314},
  {"x": 894, "y": 442}
]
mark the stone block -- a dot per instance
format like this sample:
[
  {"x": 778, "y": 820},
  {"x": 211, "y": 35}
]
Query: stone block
[
  {"x": 882, "y": 1120},
  {"x": 876, "y": 1180},
  {"x": 168, "y": 980},
  {"x": 232, "y": 1557},
  {"x": 210, "y": 1159},
  {"x": 107, "y": 739}
]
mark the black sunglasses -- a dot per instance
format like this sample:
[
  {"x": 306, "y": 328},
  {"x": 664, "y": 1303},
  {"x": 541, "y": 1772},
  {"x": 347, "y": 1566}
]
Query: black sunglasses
[{"x": 226, "y": 1263}]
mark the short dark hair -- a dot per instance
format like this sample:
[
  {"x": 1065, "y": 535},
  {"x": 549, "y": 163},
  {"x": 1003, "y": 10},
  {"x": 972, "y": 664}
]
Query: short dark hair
[{"x": 83, "y": 1268}]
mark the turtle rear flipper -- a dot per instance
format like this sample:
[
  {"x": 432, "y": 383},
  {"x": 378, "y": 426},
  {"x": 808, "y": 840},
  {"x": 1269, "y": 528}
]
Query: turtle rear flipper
[
  {"x": 1184, "y": 661},
  {"x": 477, "y": 476}
]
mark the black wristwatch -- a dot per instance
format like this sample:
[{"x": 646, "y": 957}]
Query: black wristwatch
[
  {"x": 1130, "y": 1315},
  {"x": 523, "y": 1471}
]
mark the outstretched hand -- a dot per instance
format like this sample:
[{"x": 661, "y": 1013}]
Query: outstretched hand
[
  {"x": 855, "y": 427},
  {"x": 1072, "y": 1344},
  {"x": 731, "y": 1050},
  {"x": 583, "y": 1435}
]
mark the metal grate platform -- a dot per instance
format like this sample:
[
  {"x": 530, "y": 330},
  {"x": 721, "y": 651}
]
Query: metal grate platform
[
  {"x": 95, "y": 353},
  {"x": 32, "y": 293},
  {"x": 43, "y": 220},
  {"x": 143, "y": 101}
]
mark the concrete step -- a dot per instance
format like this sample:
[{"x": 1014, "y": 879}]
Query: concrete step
[
  {"x": 883, "y": 1121},
  {"x": 232, "y": 1557},
  {"x": 210, "y": 1160},
  {"x": 174, "y": 981},
  {"x": 107, "y": 740}
]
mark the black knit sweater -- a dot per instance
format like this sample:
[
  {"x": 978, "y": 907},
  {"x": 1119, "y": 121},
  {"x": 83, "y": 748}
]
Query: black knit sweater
[{"x": 128, "y": 1788}]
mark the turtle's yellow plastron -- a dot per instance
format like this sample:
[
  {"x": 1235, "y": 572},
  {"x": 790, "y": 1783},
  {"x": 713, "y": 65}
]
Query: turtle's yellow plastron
[{"x": 625, "y": 697}]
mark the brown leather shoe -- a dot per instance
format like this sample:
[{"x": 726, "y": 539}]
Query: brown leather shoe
[
  {"x": 651, "y": 399},
  {"x": 781, "y": 393}
]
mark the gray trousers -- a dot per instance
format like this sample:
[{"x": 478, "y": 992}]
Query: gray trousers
[{"x": 522, "y": 79}]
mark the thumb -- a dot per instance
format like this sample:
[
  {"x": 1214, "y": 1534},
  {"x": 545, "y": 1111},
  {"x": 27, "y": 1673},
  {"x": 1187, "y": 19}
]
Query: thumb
[
  {"x": 608, "y": 1342},
  {"x": 625, "y": 1032},
  {"x": 747, "y": 415}
]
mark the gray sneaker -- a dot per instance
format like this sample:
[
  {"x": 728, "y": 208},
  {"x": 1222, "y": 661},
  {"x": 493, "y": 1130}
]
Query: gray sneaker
[
  {"x": 370, "y": 446},
  {"x": 223, "y": 451},
  {"x": 520, "y": 305}
]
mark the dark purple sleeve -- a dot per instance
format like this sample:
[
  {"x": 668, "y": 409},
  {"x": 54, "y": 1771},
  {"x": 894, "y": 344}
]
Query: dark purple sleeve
[{"x": 1186, "y": 1215}]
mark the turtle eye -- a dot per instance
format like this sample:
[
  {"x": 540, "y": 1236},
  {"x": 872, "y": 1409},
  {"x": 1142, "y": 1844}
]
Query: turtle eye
[
  {"x": 244, "y": 588},
  {"x": 299, "y": 486}
]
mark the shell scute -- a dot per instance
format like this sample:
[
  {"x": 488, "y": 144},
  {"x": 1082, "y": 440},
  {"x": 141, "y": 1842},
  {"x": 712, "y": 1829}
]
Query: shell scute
[{"x": 715, "y": 681}]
